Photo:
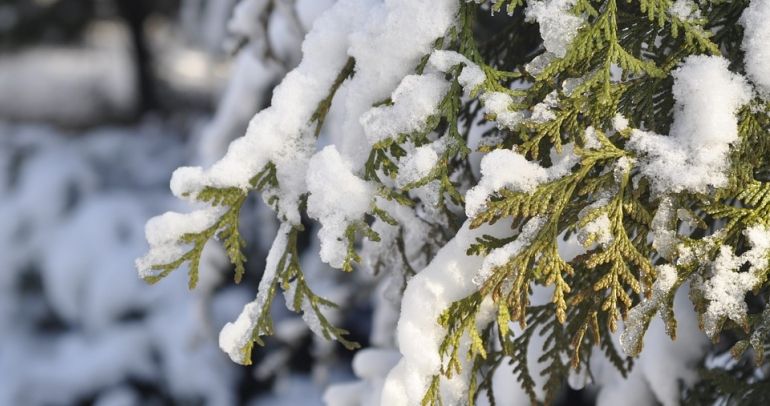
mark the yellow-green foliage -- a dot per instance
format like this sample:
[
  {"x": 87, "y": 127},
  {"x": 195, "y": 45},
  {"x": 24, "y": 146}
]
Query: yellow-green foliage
[{"x": 624, "y": 55}]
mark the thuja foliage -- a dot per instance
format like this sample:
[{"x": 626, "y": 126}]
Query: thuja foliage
[{"x": 613, "y": 79}]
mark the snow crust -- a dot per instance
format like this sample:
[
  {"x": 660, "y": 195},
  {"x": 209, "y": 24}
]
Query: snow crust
[
  {"x": 162, "y": 233},
  {"x": 471, "y": 76},
  {"x": 388, "y": 48},
  {"x": 685, "y": 10}
]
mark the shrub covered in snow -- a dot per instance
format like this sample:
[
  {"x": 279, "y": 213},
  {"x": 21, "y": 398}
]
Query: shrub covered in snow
[{"x": 532, "y": 209}]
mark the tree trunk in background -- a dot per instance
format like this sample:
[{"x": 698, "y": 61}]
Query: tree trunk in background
[{"x": 135, "y": 12}]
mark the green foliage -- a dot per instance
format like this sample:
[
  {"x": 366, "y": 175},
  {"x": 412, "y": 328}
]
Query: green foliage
[
  {"x": 288, "y": 273},
  {"x": 619, "y": 62},
  {"x": 225, "y": 228},
  {"x": 592, "y": 292},
  {"x": 289, "y": 276}
]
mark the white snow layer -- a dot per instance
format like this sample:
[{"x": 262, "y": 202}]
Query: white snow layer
[
  {"x": 727, "y": 288},
  {"x": 416, "y": 165},
  {"x": 415, "y": 99},
  {"x": 694, "y": 157},
  {"x": 371, "y": 366},
  {"x": 283, "y": 133},
  {"x": 500, "y": 256},
  {"x": 756, "y": 43},
  {"x": 471, "y": 75},
  {"x": 386, "y": 40},
  {"x": 162, "y": 233},
  {"x": 337, "y": 199},
  {"x": 388, "y": 48},
  {"x": 236, "y": 336},
  {"x": 684, "y": 10},
  {"x": 448, "y": 278},
  {"x": 558, "y": 26},
  {"x": 507, "y": 169}
]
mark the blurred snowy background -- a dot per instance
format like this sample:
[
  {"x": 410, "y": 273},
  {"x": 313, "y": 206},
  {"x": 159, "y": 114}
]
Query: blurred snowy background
[{"x": 99, "y": 101}]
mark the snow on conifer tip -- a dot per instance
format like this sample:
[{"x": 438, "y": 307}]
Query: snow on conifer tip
[
  {"x": 756, "y": 43},
  {"x": 449, "y": 277},
  {"x": 164, "y": 232},
  {"x": 415, "y": 99},
  {"x": 507, "y": 169},
  {"x": 726, "y": 289},
  {"x": 695, "y": 155},
  {"x": 558, "y": 26},
  {"x": 236, "y": 336},
  {"x": 416, "y": 165},
  {"x": 471, "y": 76},
  {"x": 337, "y": 198}
]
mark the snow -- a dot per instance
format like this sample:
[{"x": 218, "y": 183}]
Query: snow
[
  {"x": 309, "y": 10},
  {"x": 415, "y": 99},
  {"x": 591, "y": 138},
  {"x": 619, "y": 122},
  {"x": 694, "y": 157},
  {"x": 446, "y": 279},
  {"x": 471, "y": 75},
  {"x": 370, "y": 365},
  {"x": 246, "y": 13},
  {"x": 631, "y": 338},
  {"x": 685, "y": 10},
  {"x": 498, "y": 104},
  {"x": 282, "y": 133},
  {"x": 387, "y": 39},
  {"x": 250, "y": 80},
  {"x": 726, "y": 289},
  {"x": 236, "y": 336},
  {"x": 386, "y": 49},
  {"x": 507, "y": 169},
  {"x": 337, "y": 199},
  {"x": 540, "y": 62},
  {"x": 601, "y": 229},
  {"x": 558, "y": 26},
  {"x": 501, "y": 256},
  {"x": 163, "y": 233},
  {"x": 543, "y": 111},
  {"x": 40, "y": 84},
  {"x": 73, "y": 217},
  {"x": 663, "y": 227},
  {"x": 471, "y": 78},
  {"x": 416, "y": 165},
  {"x": 756, "y": 40}
]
